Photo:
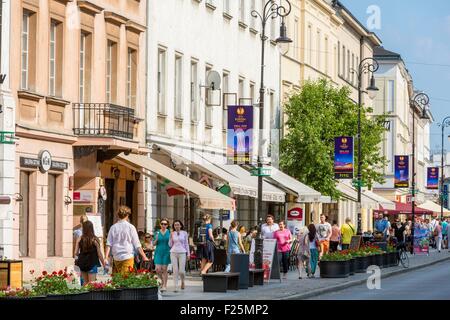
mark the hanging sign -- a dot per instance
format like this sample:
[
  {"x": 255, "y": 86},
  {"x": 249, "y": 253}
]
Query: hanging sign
[
  {"x": 343, "y": 158},
  {"x": 433, "y": 178},
  {"x": 240, "y": 135},
  {"x": 401, "y": 172}
]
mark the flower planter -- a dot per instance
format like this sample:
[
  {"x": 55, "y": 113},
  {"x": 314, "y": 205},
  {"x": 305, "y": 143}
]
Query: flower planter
[
  {"x": 71, "y": 296},
  {"x": 362, "y": 263},
  {"x": 385, "y": 260},
  {"x": 24, "y": 298},
  {"x": 106, "y": 295},
  {"x": 150, "y": 293},
  {"x": 334, "y": 269},
  {"x": 391, "y": 259},
  {"x": 377, "y": 260},
  {"x": 352, "y": 264}
]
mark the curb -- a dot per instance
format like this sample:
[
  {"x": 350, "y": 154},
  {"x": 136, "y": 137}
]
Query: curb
[{"x": 346, "y": 285}]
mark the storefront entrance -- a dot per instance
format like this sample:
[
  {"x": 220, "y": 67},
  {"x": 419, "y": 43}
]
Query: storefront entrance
[{"x": 109, "y": 206}]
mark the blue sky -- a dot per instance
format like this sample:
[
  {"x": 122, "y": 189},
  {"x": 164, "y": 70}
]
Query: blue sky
[{"x": 419, "y": 31}]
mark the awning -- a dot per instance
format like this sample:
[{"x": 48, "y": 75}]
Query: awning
[
  {"x": 350, "y": 193},
  {"x": 383, "y": 202},
  {"x": 347, "y": 191},
  {"x": 209, "y": 199},
  {"x": 432, "y": 206},
  {"x": 403, "y": 208},
  {"x": 303, "y": 192}
]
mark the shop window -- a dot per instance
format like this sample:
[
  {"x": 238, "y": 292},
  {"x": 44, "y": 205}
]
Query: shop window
[
  {"x": 24, "y": 214},
  {"x": 51, "y": 217}
]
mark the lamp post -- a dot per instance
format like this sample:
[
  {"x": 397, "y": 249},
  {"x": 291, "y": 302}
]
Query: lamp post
[
  {"x": 445, "y": 123},
  {"x": 421, "y": 100},
  {"x": 271, "y": 10},
  {"x": 366, "y": 66}
]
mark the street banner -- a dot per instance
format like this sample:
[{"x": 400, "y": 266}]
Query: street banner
[
  {"x": 445, "y": 196},
  {"x": 421, "y": 239},
  {"x": 240, "y": 135},
  {"x": 433, "y": 178},
  {"x": 401, "y": 172},
  {"x": 270, "y": 258},
  {"x": 343, "y": 158}
]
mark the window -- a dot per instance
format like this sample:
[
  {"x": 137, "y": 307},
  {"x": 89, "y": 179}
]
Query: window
[
  {"x": 24, "y": 214},
  {"x": 242, "y": 11},
  {"x": 55, "y": 59},
  {"x": 52, "y": 57},
  {"x": 194, "y": 86},
  {"x": 225, "y": 87},
  {"x": 344, "y": 70},
  {"x": 296, "y": 42},
  {"x": 51, "y": 217},
  {"x": 319, "y": 53},
  {"x": 131, "y": 78},
  {"x": 241, "y": 90},
  {"x": 111, "y": 72},
  {"x": 339, "y": 58},
  {"x": 161, "y": 81},
  {"x": 348, "y": 65},
  {"x": 326, "y": 55},
  {"x": 391, "y": 96},
  {"x": 178, "y": 87},
  {"x": 208, "y": 110},
  {"x": 27, "y": 80},
  {"x": 353, "y": 68},
  {"x": 226, "y": 6},
  {"x": 310, "y": 44},
  {"x": 273, "y": 34},
  {"x": 252, "y": 19},
  {"x": 272, "y": 109},
  {"x": 85, "y": 67}
]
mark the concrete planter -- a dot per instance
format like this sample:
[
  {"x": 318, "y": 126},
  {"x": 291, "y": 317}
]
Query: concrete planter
[
  {"x": 362, "y": 263},
  {"x": 106, "y": 295},
  {"x": 334, "y": 269},
  {"x": 139, "y": 293}
]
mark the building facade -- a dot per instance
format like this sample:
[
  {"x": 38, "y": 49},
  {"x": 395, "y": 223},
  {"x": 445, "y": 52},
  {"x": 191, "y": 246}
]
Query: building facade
[{"x": 77, "y": 77}]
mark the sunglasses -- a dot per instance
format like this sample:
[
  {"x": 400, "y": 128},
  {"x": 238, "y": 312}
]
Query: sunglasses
[{"x": 164, "y": 224}]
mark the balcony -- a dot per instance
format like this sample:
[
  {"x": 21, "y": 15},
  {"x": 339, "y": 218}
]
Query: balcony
[{"x": 104, "y": 120}]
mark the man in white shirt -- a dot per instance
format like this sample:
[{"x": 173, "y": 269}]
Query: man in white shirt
[
  {"x": 123, "y": 241},
  {"x": 324, "y": 234},
  {"x": 269, "y": 228}
]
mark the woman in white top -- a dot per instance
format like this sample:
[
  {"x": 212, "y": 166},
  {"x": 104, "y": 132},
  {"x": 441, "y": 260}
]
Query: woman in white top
[
  {"x": 314, "y": 248},
  {"x": 179, "y": 252}
]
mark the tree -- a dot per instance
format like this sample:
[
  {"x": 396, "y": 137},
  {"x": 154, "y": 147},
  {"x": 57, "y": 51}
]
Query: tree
[{"x": 317, "y": 114}]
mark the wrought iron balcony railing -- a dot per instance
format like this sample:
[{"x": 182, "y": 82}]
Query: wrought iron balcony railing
[{"x": 104, "y": 120}]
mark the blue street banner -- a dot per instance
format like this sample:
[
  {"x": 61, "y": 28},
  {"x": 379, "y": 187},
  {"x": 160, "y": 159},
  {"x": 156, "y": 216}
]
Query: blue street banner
[
  {"x": 343, "y": 158},
  {"x": 433, "y": 178},
  {"x": 401, "y": 179},
  {"x": 240, "y": 135},
  {"x": 445, "y": 196}
]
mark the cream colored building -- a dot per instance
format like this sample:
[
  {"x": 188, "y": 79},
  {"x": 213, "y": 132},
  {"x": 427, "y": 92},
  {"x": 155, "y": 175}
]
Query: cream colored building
[
  {"x": 78, "y": 79},
  {"x": 328, "y": 42}
]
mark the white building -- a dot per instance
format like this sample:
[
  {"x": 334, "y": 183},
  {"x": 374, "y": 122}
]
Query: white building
[
  {"x": 186, "y": 41},
  {"x": 7, "y": 128}
]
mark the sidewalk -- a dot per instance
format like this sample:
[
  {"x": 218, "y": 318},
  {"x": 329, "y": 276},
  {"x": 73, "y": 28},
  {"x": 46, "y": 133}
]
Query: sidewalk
[{"x": 293, "y": 288}]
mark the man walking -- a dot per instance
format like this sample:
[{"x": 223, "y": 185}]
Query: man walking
[
  {"x": 324, "y": 235},
  {"x": 269, "y": 228}
]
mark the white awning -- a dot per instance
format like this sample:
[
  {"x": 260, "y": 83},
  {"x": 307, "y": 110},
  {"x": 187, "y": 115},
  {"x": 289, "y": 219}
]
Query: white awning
[
  {"x": 239, "y": 179},
  {"x": 387, "y": 204},
  {"x": 303, "y": 192},
  {"x": 432, "y": 206},
  {"x": 209, "y": 198},
  {"x": 350, "y": 193}
]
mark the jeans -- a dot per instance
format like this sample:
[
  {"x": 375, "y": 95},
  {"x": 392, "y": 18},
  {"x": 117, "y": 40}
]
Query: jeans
[
  {"x": 231, "y": 251},
  {"x": 438, "y": 243},
  {"x": 283, "y": 258},
  {"x": 345, "y": 246},
  {"x": 313, "y": 260},
  {"x": 179, "y": 266}
]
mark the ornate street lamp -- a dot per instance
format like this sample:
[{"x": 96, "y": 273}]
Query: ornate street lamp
[
  {"x": 445, "y": 123},
  {"x": 271, "y": 10},
  {"x": 366, "y": 66}
]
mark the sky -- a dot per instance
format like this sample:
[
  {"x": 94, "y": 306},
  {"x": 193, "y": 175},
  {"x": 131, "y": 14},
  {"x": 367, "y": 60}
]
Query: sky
[{"x": 420, "y": 32}]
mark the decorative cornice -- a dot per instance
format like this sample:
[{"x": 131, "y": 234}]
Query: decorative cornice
[
  {"x": 88, "y": 7},
  {"x": 29, "y": 95},
  {"x": 135, "y": 27},
  {"x": 57, "y": 101}
]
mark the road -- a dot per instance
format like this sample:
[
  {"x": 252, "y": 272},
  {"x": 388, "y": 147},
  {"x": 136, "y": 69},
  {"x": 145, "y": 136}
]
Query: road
[{"x": 430, "y": 283}]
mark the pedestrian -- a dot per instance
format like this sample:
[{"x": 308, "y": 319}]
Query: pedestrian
[
  {"x": 268, "y": 228},
  {"x": 234, "y": 243},
  {"x": 206, "y": 247},
  {"x": 78, "y": 232},
  {"x": 335, "y": 237},
  {"x": 87, "y": 248},
  {"x": 245, "y": 242},
  {"x": 399, "y": 229},
  {"x": 347, "y": 231},
  {"x": 324, "y": 232},
  {"x": 314, "y": 249},
  {"x": 162, "y": 252},
  {"x": 122, "y": 242},
  {"x": 304, "y": 252},
  {"x": 284, "y": 239},
  {"x": 438, "y": 234},
  {"x": 444, "y": 234},
  {"x": 179, "y": 252}
]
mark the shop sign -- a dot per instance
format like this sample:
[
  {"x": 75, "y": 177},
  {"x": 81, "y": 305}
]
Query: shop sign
[
  {"x": 240, "y": 135},
  {"x": 401, "y": 179},
  {"x": 343, "y": 158},
  {"x": 295, "y": 214},
  {"x": 83, "y": 196},
  {"x": 44, "y": 162},
  {"x": 433, "y": 178}
]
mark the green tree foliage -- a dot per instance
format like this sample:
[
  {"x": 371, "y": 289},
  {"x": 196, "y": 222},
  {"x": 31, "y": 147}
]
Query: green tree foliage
[{"x": 316, "y": 115}]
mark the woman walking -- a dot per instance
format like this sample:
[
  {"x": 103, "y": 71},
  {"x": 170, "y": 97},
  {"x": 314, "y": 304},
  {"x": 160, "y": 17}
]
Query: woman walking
[
  {"x": 179, "y": 252},
  {"x": 89, "y": 254},
  {"x": 314, "y": 249},
  {"x": 303, "y": 252},
  {"x": 335, "y": 237},
  {"x": 234, "y": 243},
  {"x": 284, "y": 240},
  {"x": 244, "y": 239},
  {"x": 162, "y": 253},
  {"x": 207, "y": 247}
]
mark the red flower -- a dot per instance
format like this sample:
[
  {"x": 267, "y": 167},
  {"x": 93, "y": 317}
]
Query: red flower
[
  {"x": 54, "y": 273},
  {"x": 32, "y": 271},
  {"x": 44, "y": 273},
  {"x": 60, "y": 272}
]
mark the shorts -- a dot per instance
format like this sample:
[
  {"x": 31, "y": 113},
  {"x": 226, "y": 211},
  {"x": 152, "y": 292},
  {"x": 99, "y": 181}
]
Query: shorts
[
  {"x": 324, "y": 246},
  {"x": 93, "y": 270},
  {"x": 206, "y": 251}
]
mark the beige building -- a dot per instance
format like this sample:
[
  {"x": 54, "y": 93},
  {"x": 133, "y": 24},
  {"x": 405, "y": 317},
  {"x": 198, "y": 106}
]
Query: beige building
[
  {"x": 78, "y": 76},
  {"x": 328, "y": 42}
]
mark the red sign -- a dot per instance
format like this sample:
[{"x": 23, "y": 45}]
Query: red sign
[
  {"x": 76, "y": 196},
  {"x": 295, "y": 214}
]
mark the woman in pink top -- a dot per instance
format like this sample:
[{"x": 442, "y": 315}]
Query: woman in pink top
[
  {"x": 284, "y": 239},
  {"x": 335, "y": 237},
  {"x": 179, "y": 252}
]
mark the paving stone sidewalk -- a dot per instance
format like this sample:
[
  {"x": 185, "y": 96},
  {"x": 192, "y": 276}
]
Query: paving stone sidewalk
[{"x": 293, "y": 288}]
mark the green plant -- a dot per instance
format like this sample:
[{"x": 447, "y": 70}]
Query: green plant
[
  {"x": 135, "y": 279},
  {"x": 336, "y": 256},
  {"x": 21, "y": 293},
  {"x": 100, "y": 286},
  {"x": 54, "y": 283},
  {"x": 391, "y": 249}
]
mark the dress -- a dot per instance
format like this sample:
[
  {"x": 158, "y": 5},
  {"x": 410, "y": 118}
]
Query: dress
[{"x": 162, "y": 252}]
